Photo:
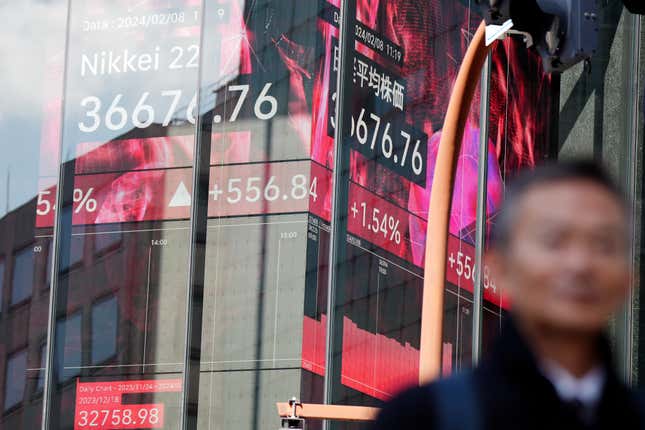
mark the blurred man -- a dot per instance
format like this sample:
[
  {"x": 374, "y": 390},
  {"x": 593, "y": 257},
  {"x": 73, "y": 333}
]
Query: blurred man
[{"x": 561, "y": 252}]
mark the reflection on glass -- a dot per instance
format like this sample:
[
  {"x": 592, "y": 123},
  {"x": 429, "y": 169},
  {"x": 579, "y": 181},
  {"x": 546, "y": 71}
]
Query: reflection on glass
[
  {"x": 40, "y": 383},
  {"x": 129, "y": 117},
  {"x": 31, "y": 68},
  {"x": 15, "y": 379},
  {"x": 77, "y": 245},
  {"x": 104, "y": 329},
  {"x": 22, "y": 281},
  {"x": 106, "y": 242},
  {"x": 267, "y": 65},
  {"x": 68, "y": 351}
]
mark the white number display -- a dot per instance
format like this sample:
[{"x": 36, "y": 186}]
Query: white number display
[
  {"x": 299, "y": 187},
  {"x": 386, "y": 142},
  {"x": 176, "y": 95},
  {"x": 377, "y": 121},
  {"x": 234, "y": 190},
  {"x": 178, "y": 52},
  {"x": 253, "y": 189},
  {"x": 42, "y": 205},
  {"x": 263, "y": 99},
  {"x": 119, "y": 112},
  {"x": 271, "y": 190},
  {"x": 190, "y": 111},
  {"x": 244, "y": 90},
  {"x": 466, "y": 268},
  {"x": 119, "y": 418},
  {"x": 382, "y": 133},
  {"x": 361, "y": 129},
  {"x": 407, "y": 138},
  {"x": 91, "y": 113},
  {"x": 147, "y": 110},
  {"x": 380, "y": 222},
  {"x": 121, "y": 115},
  {"x": 417, "y": 159}
]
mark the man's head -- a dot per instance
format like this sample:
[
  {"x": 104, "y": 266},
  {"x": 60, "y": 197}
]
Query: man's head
[{"x": 561, "y": 247}]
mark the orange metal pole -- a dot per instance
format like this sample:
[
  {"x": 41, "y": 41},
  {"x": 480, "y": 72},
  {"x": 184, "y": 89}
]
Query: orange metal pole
[
  {"x": 436, "y": 241},
  {"x": 440, "y": 205},
  {"x": 329, "y": 412}
]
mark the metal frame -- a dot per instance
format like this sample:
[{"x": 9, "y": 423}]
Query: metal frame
[
  {"x": 440, "y": 204},
  {"x": 625, "y": 321},
  {"x": 49, "y": 383},
  {"x": 197, "y": 253},
  {"x": 482, "y": 195},
  {"x": 340, "y": 190}
]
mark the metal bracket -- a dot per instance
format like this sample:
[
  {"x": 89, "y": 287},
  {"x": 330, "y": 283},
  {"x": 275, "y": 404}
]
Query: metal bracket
[
  {"x": 294, "y": 403},
  {"x": 499, "y": 32},
  {"x": 528, "y": 38},
  {"x": 293, "y": 421}
]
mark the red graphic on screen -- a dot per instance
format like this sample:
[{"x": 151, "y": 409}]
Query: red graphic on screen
[
  {"x": 373, "y": 364},
  {"x": 314, "y": 341},
  {"x": 135, "y": 154},
  {"x": 464, "y": 200}
]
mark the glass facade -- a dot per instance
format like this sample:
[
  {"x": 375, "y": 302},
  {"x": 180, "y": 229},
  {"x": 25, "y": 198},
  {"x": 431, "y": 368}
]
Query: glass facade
[{"x": 183, "y": 243}]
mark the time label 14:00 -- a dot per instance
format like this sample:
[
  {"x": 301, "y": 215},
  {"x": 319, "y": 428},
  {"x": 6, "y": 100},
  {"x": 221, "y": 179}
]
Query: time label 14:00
[{"x": 116, "y": 117}]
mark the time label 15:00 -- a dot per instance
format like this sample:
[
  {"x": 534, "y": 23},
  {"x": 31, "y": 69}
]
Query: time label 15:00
[{"x": 117, "y": 117}]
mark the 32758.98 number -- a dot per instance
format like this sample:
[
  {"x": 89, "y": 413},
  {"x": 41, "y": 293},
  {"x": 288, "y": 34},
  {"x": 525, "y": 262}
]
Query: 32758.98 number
[{"x": 136, "y": 416}]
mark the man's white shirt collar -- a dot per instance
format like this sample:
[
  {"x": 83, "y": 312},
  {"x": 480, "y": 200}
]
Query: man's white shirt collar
[{"x": 586, "y": 389}]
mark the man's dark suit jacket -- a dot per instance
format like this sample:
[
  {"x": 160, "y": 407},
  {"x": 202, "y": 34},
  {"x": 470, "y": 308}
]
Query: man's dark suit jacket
[{"x": 511, "y": 393}]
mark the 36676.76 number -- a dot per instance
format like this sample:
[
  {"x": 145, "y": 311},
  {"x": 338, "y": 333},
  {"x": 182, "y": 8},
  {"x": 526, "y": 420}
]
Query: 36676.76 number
[{"x": 117, "y": 117}]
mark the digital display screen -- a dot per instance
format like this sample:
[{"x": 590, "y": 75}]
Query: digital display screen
[
  {"x": 101, "y": 404},
  {"x": 137, "y": 79},
  {"x": 405, "y": 60}
]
